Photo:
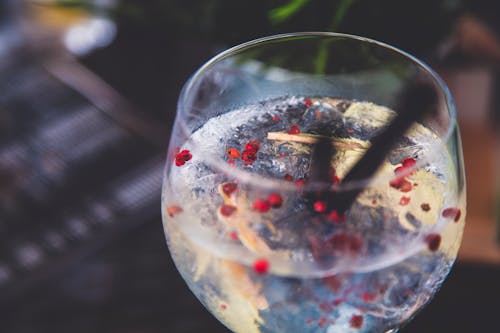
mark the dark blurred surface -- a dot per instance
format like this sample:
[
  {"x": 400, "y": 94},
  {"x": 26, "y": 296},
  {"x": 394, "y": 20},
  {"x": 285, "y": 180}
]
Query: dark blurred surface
[{"x": 82, "y": 245}]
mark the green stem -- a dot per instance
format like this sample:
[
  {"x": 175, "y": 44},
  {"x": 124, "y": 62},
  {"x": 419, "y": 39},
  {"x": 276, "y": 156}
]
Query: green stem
[
  {"x": 281, "y": 14},
  {"x": 340, "y": 14},
  {"x": 322, "y": 57}
]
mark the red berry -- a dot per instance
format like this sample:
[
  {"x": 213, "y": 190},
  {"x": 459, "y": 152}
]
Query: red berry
[
  {"x": 275, "y": 200},
  {"x": 401, "y": 183},
  {"x": 425, "y": 207},
  {"x": 452, "y": 213},
  {"x": 233, "y": 153},
  {"x": 253, "y": 145},
  {"x": 182, "y": 157},
  {"x": 356, "y": 321},
  {"x": 369, "y": 297},
  {"x": 405, "y": 186},
  {"x": 174, "y": 210},
  {"x": 433, "y": 241},
  {"x": 396, "y": 182},
  {"x": 229, "y": 188},
  {"x": 186, "y": 154},
  {"x": 288, "y": 177},
  {"x": 409, "y": 163},
  {"x": 233, "y": 235},
  {"x": 294, "y": 129},
  {"x": 227, "y": 210},
  {"x": 249, "y": 156},
  {"x": 261, "y": 266},
  {"x": 320, "y": 206},
  {"x": 400, "y": 171},
  {"x": 335, "y": 217},
  {"x": 261, "y": 205},
  {"x": 404, "y": 201},
  {"x": 300, "y": 182}
]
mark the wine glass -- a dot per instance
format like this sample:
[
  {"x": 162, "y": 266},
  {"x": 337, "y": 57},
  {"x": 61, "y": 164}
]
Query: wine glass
[{"x": 252, "y": 205}]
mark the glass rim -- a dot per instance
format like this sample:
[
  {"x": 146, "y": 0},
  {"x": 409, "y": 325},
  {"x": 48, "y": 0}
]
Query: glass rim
[{"x": 273, "y": 183}]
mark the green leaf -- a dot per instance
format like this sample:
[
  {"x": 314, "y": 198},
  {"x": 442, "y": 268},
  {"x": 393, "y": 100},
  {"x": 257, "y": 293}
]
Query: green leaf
[{"x": 283, "y": 13}]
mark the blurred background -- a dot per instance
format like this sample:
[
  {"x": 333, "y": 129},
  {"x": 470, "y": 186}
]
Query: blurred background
[{"x": 88, "y": 92}]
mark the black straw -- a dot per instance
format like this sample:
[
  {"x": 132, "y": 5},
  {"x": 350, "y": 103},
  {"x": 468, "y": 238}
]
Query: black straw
[
  {"x": 320, "y": 169},
  {"x": 416, "y": 101},
  {"x": 321, "y": 159}
]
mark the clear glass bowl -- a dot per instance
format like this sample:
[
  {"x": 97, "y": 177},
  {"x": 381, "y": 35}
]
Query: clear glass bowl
[{"x": 256, "y": 236}]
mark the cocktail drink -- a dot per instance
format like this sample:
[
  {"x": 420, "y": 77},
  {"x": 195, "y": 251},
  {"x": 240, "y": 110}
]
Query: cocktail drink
[{"x": 260, "y": 239}]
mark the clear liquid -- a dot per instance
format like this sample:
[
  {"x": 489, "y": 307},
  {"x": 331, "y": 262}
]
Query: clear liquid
[{"x": 317, "y": 280}]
